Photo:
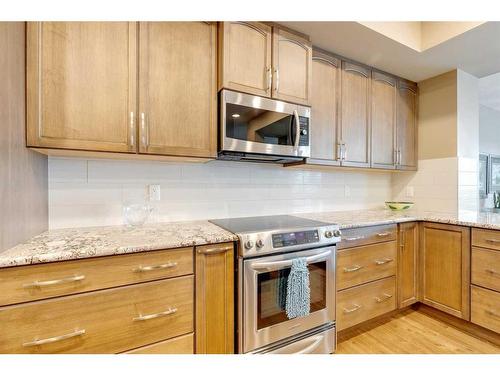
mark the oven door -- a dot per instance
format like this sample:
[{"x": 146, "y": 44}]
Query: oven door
[
  {"x": 251, "y": 124},
  {"x": 264, "y": 320}
]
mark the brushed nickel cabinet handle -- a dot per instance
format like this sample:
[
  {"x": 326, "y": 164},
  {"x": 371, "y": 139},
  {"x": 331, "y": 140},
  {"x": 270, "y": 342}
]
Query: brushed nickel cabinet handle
[
  {"x": 145, "y": 132},
  {"x": 339, "y": 151},
  {"x": 155, "y": 267},
  {"x": 67, "y": 280},
  {"x": 492, "y": 240},
  {"x": 269, "y": 78},
  {"x": 132, "y": 129},
  {"x": 213, "y": 250},
  {"x": 354, "y": 238},
  {"x": 385, "y": 298},
  {"x": 49, "y": 340},
  {"x": 383, "y": 261},
  {"x": 352, "y": 269},
  {"x": 355, "y": 308},
  {"x": 345, "y": 152},
  {"x": 277, "y": 75},
  {"x": 493, "y": 272},
  {"x": 402, "y": 239},
  {"x": 141, "y": 317},
  {"x": 383, "y": 234}
]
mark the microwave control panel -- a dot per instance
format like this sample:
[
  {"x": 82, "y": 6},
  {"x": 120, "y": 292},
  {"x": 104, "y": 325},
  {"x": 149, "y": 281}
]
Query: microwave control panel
[
  {"x": 304, "y": 131},
  {"x": 295, "y": 238}
]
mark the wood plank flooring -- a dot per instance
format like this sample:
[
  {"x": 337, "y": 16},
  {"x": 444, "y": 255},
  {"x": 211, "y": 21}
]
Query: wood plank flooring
[{"x": 411, "y": 332}]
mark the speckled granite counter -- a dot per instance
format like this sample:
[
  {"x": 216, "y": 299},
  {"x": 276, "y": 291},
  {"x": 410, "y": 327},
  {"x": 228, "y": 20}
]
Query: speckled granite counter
[{"x": 78, "y": 243}]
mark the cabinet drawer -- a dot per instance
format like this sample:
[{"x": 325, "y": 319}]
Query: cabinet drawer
[
  {"x": 360, "y": 303},
  {"x": 485, "y": 308},
  {"x": 35, "y": 282},
  {"x": 109, "y": 321},
  {"x": 486, "y": 238},
  {"x": 177, "y": 345},
  {"x": 366, "y": 263},
  {"x": 486, "y": 268},
  {"x": 367, "y": 235}
]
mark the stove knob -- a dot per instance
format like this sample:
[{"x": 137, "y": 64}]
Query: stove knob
[
  {"x": 337, "y": 233},
  {"x": 248, "y": 244},
  {"x": 260, "y": 243},
  {"x": 328, "y": 234}
]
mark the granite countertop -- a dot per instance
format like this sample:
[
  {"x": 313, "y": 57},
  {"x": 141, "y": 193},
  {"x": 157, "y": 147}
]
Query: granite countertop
[{"x": 78, "y": 243}]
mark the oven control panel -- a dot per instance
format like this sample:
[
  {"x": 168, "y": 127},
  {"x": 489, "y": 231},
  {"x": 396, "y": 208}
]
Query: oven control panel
[{"x": 295, "y": 238}]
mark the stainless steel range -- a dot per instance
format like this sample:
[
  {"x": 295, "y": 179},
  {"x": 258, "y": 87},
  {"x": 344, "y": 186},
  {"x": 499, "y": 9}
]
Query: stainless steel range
[{"x": 267, "y": 247}]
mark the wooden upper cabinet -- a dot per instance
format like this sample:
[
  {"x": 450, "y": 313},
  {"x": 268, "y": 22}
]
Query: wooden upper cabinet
[
  {"x": 383, "y": 121},
  {"x": 245, "y": 57},
  {"x": 81, "y": 85},
  {"x": 177, "y": 96},
  {"x": 324, "y": 111},
  {"x": 408, "y": 264},
  {"x": 407, "y": 125},
  {"x": 292, "y": 67},
  {"x": 445, "y": 268},
  {"x": 355, "y": 115}
]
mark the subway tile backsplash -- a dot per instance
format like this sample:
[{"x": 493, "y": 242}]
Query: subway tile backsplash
[{"x": 92, "y": 192}]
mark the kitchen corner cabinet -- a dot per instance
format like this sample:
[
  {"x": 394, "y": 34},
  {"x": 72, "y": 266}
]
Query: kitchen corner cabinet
[
  {"x": 408, "y": 264},
  {"x": 383, "y": 121},
  {"x": 355, "y": 115},
  {"x": 324, "y": 111},
  {"x": 122, "y": 87},
  {"x": 406, "y": 153},
  {"x": 178, "y": 93},
  {"x": 262, "y": 60},
  {"x": 245, "y": 57},
  {"x": 81, "y": 85},
  {"x": 445, "y": 268},
  {"x": 215, "y": 299}
]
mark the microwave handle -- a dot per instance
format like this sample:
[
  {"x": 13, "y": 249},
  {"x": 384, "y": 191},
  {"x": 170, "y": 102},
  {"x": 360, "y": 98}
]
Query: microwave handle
[
  {"x": 288, "y": 263},
  {"x": 297, "y": 128}
]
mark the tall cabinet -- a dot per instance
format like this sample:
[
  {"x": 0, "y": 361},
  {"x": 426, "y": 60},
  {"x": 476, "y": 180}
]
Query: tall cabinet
[
  {"x": 406, "y": 125},
  {"x": 122, "y": 87}
]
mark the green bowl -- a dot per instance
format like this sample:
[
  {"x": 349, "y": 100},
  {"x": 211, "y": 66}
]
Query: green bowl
[{"x": 399, "y": 206}]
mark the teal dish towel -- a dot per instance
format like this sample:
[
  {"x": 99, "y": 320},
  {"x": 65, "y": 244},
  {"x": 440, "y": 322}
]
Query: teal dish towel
[{"x": 298, "y": 294}]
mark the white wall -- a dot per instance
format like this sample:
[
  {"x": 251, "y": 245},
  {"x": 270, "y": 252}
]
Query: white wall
[
  {"x": 489, "y": 130},
  {"x": 92, "y": 192}
]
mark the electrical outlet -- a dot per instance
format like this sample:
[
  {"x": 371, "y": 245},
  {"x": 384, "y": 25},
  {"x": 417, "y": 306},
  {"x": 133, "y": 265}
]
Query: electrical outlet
[
  {"x": 154, "y": 192},
  {"x": 410, "y": 192},
  {"x": 347, "y": 191}
]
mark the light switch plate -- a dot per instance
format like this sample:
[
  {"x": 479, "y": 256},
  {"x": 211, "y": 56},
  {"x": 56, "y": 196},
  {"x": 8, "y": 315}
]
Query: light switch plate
[
  {"x": 154, "y": 192},
  {"x": 347, "y": 191},
  {"x": 410, "y": 192}
]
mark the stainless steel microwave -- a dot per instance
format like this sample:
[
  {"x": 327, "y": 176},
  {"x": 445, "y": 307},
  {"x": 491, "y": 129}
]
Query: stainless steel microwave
[{"x": 253, "y": 128}]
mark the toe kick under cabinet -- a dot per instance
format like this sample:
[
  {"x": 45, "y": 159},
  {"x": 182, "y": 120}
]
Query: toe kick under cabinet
[{"x": 135, "y": 303}]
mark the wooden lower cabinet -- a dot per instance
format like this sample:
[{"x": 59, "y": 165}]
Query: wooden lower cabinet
[
  {"x": 215, "y": 299},
  {"x": 445, "y": 268},
  {"x": 109, "y": 321},
  {"x": 177, "y": 345},
  {"x": 358, "y": 304},
  {"x": 485, "y": 308},
  {"x": 408, "y": 256}
]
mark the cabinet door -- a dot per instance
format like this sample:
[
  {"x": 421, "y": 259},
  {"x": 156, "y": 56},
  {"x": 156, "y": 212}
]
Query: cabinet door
[
  {"x": 292, "y": 67},
  {"x": 383, "y": 121},
  {"x": 324, "y": 113},
  {"x": 408, "y": 264},
  {"x": 215, "y": 299},
  {"x": 178, "y": 100},
  {"x": 445, "y": 268},
  {"x": 245, "y": 57},
  {"x": 406, "y": 121},
  {"x": 355, "y": 115},
  {"x": 81, "y": 85}
]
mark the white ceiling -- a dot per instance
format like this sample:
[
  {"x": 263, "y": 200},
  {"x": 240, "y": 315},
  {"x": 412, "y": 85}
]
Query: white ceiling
[{"x": 476, "y": 51}]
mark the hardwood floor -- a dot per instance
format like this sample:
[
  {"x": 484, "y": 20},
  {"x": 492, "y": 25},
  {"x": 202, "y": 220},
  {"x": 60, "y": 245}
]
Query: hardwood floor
[{"x": 411, "y": 332}]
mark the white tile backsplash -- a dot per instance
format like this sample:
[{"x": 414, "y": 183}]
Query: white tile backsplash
[{"x": 92, "y": 192}]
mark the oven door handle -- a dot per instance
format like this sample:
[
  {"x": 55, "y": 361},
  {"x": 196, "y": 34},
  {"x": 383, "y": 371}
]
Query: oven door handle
[{"x": 288, "y": 263}]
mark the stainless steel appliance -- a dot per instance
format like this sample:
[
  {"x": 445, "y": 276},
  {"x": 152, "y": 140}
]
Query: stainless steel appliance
[
  {"x": 267, "y": 247},
  {"x": 259, "y": 129}
]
